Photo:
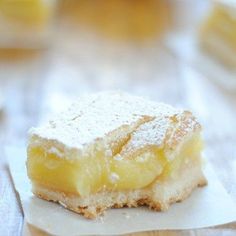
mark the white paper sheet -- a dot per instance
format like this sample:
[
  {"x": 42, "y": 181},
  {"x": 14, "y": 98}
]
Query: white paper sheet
[{"x": 206, "y": 207}]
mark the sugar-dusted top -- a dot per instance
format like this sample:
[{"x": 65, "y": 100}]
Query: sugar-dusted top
[{"x": 95, "y": 116}]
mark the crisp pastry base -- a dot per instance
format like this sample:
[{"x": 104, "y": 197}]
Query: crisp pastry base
[{"x": 158, "y": 196}]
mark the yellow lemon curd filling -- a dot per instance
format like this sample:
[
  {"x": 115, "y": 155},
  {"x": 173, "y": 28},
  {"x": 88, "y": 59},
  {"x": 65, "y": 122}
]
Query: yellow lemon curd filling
[{"x": 90, "y": 175}]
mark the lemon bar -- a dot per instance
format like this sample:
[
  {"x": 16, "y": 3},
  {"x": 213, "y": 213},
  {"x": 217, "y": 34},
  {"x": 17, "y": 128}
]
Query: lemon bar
[
  {"x": 25, "y": 23},
  {"x": 218, "y": 33},
  {"x": 113, "y": 149}
]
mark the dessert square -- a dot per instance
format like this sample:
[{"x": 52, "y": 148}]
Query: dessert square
[{"x": 111, "y": 150}]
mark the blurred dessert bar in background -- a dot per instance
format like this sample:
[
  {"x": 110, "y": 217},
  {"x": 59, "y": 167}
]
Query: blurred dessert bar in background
[
  {"x": 121, "y": 20},
  {"x": 218, "y": 33},
  {"x": 24, "y": 23}
]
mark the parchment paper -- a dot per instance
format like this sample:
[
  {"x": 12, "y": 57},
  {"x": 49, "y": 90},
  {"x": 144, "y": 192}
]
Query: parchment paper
[{"x": 206, "y": 207}]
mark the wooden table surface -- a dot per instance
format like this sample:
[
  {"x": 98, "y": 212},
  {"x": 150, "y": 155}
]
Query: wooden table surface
[{"x": 37, "y": 83}]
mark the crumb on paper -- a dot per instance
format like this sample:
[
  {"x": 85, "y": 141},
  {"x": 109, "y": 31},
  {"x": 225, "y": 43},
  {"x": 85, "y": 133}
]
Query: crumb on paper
[
  {"x": 101, "y": 219},
  {"x": 127, "y": 216}
]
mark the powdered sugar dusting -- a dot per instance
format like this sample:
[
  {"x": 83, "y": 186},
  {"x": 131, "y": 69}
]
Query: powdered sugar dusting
[
  {"x": 150, "y": 133},
  {"x": 166, "y": 131},
  {"x": 95, "y": 116},
  {"x": 114, "y": 177}
]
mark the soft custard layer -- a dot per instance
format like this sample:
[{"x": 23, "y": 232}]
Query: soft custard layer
[{"x": 92, "y": 174}]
